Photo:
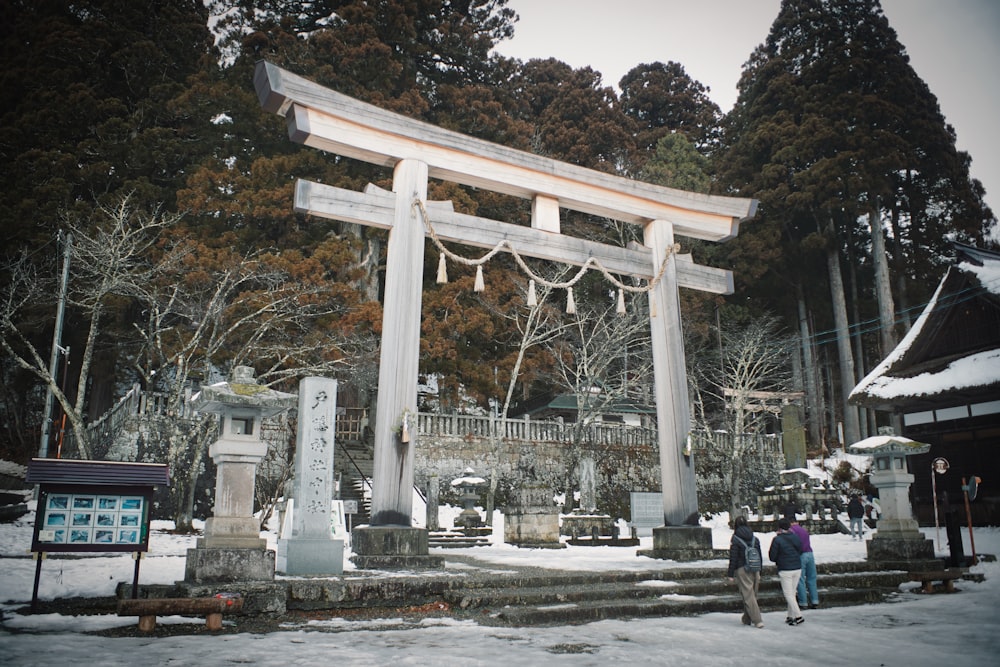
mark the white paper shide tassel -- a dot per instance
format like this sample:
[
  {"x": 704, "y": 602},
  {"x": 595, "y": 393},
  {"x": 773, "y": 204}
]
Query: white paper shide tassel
[
  {"x": 442, "y": 276},
  {"x": 532, "y": 297},
  {"x": 621, "y": 302},
  {"x": 570, "y": 302},
  {"x": 480, "y": 285}
]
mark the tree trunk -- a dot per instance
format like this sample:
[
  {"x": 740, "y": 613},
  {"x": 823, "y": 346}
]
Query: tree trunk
[
  {"x": 846, "y": 355},
  {"x": 812, "y": 389},
  {"x": 857, "y": 341},
  {"x": 883, "y": 288}
]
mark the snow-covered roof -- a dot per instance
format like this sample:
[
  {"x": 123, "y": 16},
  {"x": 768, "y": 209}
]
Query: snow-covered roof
[
  {"x": 886, "y": 444},
  {"x": 893, "y": 382}
]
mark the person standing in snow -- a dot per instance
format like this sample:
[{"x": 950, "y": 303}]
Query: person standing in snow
[
  {"x": 786, "y": 553},
  {"x": 856, "y": 513},
  {"x": 807, "y": 591},
  {"x": 748, "y": 583}
]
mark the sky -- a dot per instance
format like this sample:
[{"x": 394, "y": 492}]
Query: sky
[
  {"x": 954, "y": 46},
  {"x": 913, "y": 630}
]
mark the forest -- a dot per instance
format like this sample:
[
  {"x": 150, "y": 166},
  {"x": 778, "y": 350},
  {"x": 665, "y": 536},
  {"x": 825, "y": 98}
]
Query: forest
[{"x": 137, "y": 159}]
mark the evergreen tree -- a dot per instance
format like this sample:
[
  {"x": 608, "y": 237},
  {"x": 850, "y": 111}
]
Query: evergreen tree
[
  {"x": 663, "y": 99},
  {"x": 831, "y": 128}
]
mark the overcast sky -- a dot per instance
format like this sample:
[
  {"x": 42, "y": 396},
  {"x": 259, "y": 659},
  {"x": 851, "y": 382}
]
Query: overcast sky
[{"x": 954, "y": 46}]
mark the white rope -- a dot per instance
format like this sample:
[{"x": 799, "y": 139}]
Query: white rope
[{"x": 505, "y": 244}]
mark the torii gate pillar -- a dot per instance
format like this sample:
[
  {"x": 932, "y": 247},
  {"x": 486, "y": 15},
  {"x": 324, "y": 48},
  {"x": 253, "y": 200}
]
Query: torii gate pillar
[{"x": 391, "y": 540}]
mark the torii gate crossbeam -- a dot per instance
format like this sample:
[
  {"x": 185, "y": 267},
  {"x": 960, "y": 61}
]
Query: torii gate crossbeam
[{"x": 324, "y": 119}]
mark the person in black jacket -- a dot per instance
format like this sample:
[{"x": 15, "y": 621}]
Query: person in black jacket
[
  {"x": 748, "y": 583},
  {"x": 856, "y": 513},
  {"x": 786, "y": 553}
]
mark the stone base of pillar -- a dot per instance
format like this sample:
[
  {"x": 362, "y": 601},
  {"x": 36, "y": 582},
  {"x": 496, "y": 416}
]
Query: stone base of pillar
[
  {"x": 532, "y": 528},
  {"x": 213, "y": 565},
  {"x": 232, "y": 533},
  {"x": 681, "y": 543},
  {"x": 392, "y": 547},
  {"x": 302, "y": 556},
  {"x": 899, "y": 553}
]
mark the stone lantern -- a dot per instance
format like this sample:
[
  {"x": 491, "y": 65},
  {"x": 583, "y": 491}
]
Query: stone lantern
[
  {"x": 468, "y": 485},
  {"x": 232, "y": 549},
  {"x": 898, "y": 539}
]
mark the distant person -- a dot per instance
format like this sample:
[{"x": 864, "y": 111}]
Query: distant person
[
  {"x": 746, "y": 575},
  {"x": 807, "y": 591},
  {"x": 856, "y": 513},
  {"x": 786, "y": 553}
]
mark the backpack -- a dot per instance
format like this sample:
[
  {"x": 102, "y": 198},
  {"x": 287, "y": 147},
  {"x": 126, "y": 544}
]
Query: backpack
[{"x": 754, "y": 560}]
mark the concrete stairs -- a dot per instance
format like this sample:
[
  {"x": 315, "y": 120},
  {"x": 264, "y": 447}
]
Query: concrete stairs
[
  {"x": 451, "y": 539},
  {"x": 584, "y": 597}
]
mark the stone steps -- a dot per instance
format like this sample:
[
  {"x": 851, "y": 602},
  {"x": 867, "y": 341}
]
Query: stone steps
[
  {"x": 452, "y": 539},
  {"x": 581, "y": 598}
]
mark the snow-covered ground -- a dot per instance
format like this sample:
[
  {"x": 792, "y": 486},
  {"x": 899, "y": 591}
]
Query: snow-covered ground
[{"x": 959, "y": 629}]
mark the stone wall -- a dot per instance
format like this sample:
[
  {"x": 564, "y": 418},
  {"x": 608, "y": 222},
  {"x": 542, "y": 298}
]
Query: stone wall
[{"x": 620, "y": 469}]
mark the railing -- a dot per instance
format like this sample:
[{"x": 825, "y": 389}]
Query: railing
[{"x": 469, "y": 426}]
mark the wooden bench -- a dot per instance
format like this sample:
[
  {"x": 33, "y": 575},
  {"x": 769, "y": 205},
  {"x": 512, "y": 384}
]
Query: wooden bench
[
  {"x": 946, "y": 577},
  {"x": 147, "y": 609}
]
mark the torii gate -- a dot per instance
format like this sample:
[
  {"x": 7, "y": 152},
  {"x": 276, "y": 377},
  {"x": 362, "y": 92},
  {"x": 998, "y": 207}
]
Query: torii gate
[{"x": 325, "y": 119}]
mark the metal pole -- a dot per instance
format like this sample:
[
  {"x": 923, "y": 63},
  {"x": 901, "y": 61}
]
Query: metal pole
[
  {"x": 937, "y": 526},
  {"x": 43, "y": 445}
]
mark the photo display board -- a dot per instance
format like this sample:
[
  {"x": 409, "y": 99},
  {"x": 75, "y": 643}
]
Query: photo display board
[{"x": 91, "y": 519}]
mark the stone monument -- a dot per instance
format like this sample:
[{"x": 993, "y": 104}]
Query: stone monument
[
  {"x": 311, "y": 548},
  {"x": 232, "y": 549},
  {"x": 898, "y": 541},
  {"x": 585, "y": 525},
  {"x": 532, "y": 518}
]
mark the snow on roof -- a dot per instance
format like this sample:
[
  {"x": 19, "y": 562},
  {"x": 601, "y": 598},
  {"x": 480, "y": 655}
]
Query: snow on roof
[
  {"x": 976, "y": 370},
  {"x": 988, "y": 274},
  {"x": 886, "y": 443}
]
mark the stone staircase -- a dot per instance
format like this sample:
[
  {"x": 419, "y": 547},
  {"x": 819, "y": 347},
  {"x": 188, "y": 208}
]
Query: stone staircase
[
  {"x": 452, "y": 539},
  {"x": 584, "y": 597}
]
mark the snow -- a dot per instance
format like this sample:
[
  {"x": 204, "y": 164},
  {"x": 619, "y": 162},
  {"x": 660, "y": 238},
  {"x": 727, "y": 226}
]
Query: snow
[
  {"x": 915, "y": 630},
  {"x": 878, "y": 441}
]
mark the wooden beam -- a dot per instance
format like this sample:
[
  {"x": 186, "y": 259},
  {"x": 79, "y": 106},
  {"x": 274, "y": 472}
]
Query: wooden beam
[
  {"x": 328, "y": 120},
  {"x": 375, "y": 208}
]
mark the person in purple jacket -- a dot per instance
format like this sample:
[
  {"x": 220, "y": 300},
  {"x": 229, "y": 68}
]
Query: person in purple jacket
[{"x": 807, "y": 591}]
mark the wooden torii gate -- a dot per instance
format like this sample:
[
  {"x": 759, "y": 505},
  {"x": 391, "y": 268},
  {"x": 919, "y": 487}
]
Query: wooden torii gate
[{"x": 325, "y": 119}]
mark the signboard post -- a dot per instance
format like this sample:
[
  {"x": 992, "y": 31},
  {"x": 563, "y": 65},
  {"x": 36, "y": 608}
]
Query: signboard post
[
  {"x": 969, "y": 493},
  {"x": 98, "y": 506}
]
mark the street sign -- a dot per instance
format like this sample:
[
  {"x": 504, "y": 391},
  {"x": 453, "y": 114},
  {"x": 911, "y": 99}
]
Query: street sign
[
  {"x": 350, "y": 507},
  {"x": 972, "y": 487},
  {"x": 940, "y": 465}
]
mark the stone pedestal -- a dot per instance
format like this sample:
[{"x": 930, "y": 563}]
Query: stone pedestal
[
  {"x": 681, "y": 543},
  {"x": 579, "y": 524},
  {"x": 533, "y": 522},
  {"x": 392, "y": 547},
  {"x": 310, "y": 556},
  {"x": 211, "y": 565}
]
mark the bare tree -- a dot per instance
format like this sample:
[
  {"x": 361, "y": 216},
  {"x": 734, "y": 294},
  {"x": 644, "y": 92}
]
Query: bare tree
[
  {"x": 109, "y": 260},
  {"x": 728, "y": 392}
]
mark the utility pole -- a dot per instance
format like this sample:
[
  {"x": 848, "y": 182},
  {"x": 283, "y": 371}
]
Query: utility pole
[{"x": 43, "y": 447}]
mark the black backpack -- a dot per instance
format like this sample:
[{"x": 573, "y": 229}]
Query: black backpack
[{"x": 754, "y": 560}]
